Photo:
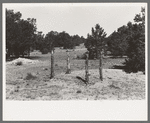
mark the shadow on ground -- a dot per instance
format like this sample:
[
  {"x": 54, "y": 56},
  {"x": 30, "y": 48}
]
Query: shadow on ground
[{"x": 118, "y": 67}]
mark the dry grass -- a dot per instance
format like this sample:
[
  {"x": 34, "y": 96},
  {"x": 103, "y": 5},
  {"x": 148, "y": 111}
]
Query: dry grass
[{"x": 117, "y": 85}]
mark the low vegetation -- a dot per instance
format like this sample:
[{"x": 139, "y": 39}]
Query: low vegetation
[
  {"x": 45, "y": 51},
  {"x": 19, "y": 63},
  {"x": 30, "y": 76}
]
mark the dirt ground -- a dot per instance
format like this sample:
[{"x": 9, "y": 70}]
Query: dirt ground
[{"x": 117, "y": 85}]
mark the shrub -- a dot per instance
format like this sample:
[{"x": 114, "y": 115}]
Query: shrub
[
  {"x": 136, "y": 62},
  {"x": 19, "y": 63},
  {"x": 45, "y": 51},
  {"x": 30, "y": 76}
]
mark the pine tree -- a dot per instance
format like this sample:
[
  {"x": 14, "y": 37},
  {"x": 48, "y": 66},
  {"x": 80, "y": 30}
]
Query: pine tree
[
  {"x": 95, "y": 44},
  {"x": 136, "y": 51}
]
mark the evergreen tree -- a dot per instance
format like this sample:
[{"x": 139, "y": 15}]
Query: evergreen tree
[
  {"x": 19, "y": 33},
  {"x": 136, "y": 51},
  {"x": 95, "y": 44},
  {"x": 118, "y": 41}
]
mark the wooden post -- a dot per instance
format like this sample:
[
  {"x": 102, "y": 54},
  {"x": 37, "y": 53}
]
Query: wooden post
[
  {"x": 86, "y": 68},
  {"x": 68, "y": 63},
  {"x": 52, "y": 64},
  {"x": 100, "y": 65},
  {"x": 97, "y": 50}
]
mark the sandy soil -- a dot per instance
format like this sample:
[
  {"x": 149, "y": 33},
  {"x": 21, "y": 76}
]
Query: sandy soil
[{"x": 117, "y": 85}]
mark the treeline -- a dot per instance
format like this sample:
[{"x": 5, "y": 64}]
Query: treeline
[
  {"x": 128, "y": 40},
  {"x": 22, "y": 36},
  {"x": 55, "y": 39}
]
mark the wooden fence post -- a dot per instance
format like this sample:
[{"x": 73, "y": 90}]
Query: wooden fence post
[
  {"x": 86, "y": 68},
  {"x": 52, "y": 64},
  {"x": 68, "y": 63},
  {"x": 100, "y": 65}
]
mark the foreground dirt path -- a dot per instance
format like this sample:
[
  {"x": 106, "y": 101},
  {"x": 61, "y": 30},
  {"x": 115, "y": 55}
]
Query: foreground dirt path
[{"x": 117, "y": 85}]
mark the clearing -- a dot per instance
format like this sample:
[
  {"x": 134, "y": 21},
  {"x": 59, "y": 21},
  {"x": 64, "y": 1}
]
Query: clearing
[{"x": 117, "y": 85}]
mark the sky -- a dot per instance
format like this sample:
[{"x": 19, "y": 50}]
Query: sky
[{"x": 78, "y": 18}]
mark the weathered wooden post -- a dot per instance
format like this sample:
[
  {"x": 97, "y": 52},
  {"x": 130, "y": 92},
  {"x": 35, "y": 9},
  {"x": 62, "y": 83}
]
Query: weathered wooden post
[
  {"x": 86, "y": 67},
  {"x": 100, "y": 65},
  {"x": 52, "y": 64},
  {"x": 68, "y": 63}
]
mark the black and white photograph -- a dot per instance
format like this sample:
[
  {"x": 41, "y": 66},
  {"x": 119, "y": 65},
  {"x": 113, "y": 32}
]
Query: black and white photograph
[{"x": 82, "y": 53}]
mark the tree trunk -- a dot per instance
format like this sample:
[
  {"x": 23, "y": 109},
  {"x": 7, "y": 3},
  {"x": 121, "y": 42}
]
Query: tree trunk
[
  {"x": 52, "y": 64},
  {"x": 28, "y": 52},
  {"x": 100, "y": 65},
  {"x": 68, "y": 63},
  {"x": 86, "y": 68}
]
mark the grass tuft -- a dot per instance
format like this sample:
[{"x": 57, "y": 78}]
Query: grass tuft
[{"x": 30, "y": 77}]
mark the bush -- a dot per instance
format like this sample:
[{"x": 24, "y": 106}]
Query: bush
[
  {"x": 136, "y": 62},
  {"x": 30, "y": 76},
  {"x": 19, "y": 63},
  {"x": 45, "y": 51}
]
